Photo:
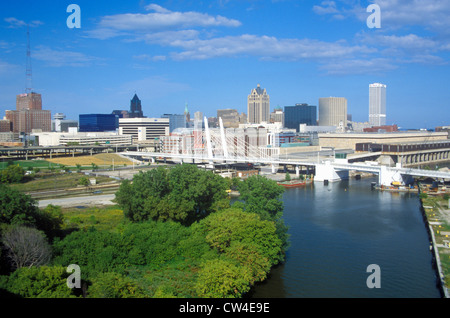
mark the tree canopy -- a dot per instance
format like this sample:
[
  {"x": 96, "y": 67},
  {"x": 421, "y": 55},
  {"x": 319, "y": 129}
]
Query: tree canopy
[
  {"x": 184, "y": 194},
  {"x": 179, "y": 237},
  {"x": 12, "y": 174},
  {"x": 263, "y": 196}
]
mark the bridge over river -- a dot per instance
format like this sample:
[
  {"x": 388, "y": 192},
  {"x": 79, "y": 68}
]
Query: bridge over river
[{"x": 330, "y": 170}]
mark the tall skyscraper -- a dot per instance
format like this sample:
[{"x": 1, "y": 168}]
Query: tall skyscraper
[
  {"x": 300, "y": 114},
  {"x": 135, "y": 108},
  {"x": 258, "y": 106},
  {"x": 29, "y": 114},
  {"x": 29, "y": 101},
  {"x": 377, "y": 104},
  {"x": 333, "y": 111}
]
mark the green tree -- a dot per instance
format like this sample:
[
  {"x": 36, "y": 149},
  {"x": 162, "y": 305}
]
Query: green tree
[
  {"x": 94, "y": 251},
  {"x": 38, "y": 282},
  {"x": 114, "y": 285},
  {"x": 248, "y": 255},
  {"x": 224, "y": 228},
  {"x": 50, "y": 220},
  {"x": 183, "y": 193},
  {"x": 222, "y": 279},
  {"x": 288, "y": 176},
  {"x": 12, "y": 174},
  {"x": 262, "y": 196},
  {"x": 84, "y": 181},
  {"x": 16, "y": 208}
]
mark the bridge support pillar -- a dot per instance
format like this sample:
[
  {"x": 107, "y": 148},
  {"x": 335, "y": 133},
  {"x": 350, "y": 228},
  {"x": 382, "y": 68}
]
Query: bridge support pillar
[
  {"x": 387, "y": 176},
  {"x": 297, "y": 171},
  {"x": 327, "y": 172}
]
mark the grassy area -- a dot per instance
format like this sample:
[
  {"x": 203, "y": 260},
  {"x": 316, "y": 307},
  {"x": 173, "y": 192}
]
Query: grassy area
[
  {"x": 103, "y": 218},
  {"x": 54, "y": 181},
  {"x": 434, "y": 206},
  {"x": 101, "y": 160},
  {"x": 30, "y": 164}
]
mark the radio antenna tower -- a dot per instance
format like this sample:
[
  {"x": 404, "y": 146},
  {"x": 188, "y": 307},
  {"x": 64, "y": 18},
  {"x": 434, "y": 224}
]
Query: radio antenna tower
[{"x": 28, "y": 70}]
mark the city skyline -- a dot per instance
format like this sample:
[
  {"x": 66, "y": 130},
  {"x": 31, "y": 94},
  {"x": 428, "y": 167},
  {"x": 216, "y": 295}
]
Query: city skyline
[{"x": 210, "y": 55}]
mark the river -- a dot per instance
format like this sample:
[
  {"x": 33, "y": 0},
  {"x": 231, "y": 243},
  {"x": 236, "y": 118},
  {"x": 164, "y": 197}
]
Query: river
[{"x": 338, "y": 230}]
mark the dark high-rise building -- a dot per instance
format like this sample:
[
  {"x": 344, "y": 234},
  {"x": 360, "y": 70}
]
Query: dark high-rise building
[
  {"x": 98, "y": 122},
  {"x": 136, "y": 108},
  {"x": 121, "y": 113},
  {"x": 300, "y": 114}
]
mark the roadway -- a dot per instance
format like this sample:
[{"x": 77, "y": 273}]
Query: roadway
[{"x": 99, "y": 199}]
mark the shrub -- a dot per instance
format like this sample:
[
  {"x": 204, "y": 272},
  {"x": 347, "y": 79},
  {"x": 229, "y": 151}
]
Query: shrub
[
  {"x": 114, "y": 285},
  {"x": 38, "y": 282}
]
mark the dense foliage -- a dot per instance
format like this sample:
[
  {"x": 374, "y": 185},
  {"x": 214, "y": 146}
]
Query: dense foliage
[
  {"x": 12, "y": 174},
  {"x": 184, "y": 194},
  {"x": 263, "y": 196},
  {"x": 178, "y": 237},
  {"x": 38, "y": 282}
]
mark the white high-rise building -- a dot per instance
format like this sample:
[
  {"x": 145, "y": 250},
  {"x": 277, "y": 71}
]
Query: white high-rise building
[{"x": 377, "y": 104}]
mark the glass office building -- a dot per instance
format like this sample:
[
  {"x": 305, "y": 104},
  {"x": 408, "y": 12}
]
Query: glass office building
[
  {"x": 300, "y": 114},
  {"x": 175, "y": 121},
  {"x": 98, "y": 122}
]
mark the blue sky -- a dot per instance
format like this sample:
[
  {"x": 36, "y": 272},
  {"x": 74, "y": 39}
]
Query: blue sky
[{"x": 210, "y": 54}]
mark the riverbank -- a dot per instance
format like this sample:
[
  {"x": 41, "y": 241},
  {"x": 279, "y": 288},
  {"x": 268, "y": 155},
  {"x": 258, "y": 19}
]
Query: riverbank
[{"x": 436, "y": 214}]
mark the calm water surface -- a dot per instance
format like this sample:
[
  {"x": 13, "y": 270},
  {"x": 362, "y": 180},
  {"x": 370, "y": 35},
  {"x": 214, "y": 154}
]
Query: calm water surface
[{"x": 338, "y": 230}]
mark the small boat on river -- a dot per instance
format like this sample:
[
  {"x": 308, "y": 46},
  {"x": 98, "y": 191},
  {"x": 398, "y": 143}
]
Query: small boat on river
[{"x": 292, "y": 183}]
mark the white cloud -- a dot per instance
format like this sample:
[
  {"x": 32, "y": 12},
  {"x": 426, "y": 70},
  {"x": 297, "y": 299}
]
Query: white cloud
[
  {"x": 156, "y": 8},
  {"x": 150, "y": 58},
  {"x": 325, "y": 7},
  {"x": 432, "y": 14},
  {"x": 411, "y": 42},
  {"x": 263, "y": 47},
  {"x": 359, "y": 66},
  {"x": 6, "y": 68},
  {"x": 16, "y": 23},
  {"x": 395, "y": 14},
  {"x": 410, "y": 48},
  {"x": 186, "y": 37},
  {"x": 58, "y": 58},
  {"x": 158, "y": 21}
]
